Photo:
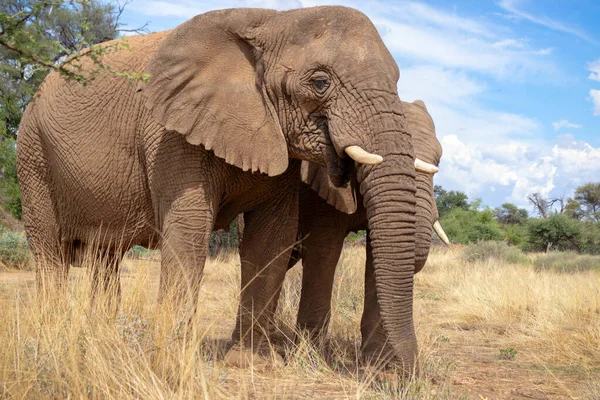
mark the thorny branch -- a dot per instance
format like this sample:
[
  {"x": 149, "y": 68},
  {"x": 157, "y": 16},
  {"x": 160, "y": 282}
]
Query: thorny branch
[{"x": 66, "y": 61}]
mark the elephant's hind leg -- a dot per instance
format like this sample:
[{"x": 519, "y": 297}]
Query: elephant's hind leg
[
  {"x": 320, "y": 256},
  {"x": 39, "y": 213},
  {"x": 269, "y": 235},
  {"x": 105, "y": 280}
]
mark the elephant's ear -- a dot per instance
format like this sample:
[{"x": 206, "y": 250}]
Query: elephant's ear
[
  {"x": 342, "y": 198},
  {"x": 206, "y": 83}
]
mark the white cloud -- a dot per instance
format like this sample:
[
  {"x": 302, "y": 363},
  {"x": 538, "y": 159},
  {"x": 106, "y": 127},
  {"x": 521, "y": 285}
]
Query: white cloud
[
  {"x": 521, "y": 167},
  {"x": 594, "y": 68},
  {"x": 563, "y": 123},
  {"x": 512, "y": 7},
  {"x": 595, "y": 98}
]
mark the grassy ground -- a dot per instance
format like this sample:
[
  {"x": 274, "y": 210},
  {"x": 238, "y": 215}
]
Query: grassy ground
[{"x": 486, "y": 330}]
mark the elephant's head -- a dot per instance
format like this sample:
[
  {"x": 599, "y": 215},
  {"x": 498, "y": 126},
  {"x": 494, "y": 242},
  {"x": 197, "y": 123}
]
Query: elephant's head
[{"x": 258, "y": 87}]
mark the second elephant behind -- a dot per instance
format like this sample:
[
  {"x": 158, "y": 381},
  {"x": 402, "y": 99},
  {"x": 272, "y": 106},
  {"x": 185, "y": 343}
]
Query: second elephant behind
[{"x": 324, "y": 223}]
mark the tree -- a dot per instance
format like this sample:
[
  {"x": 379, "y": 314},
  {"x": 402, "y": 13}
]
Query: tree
[
  {"x": 472, "y": 225},
  {"x": 588, "y": 198},
  {"x": 573, "y": 209},
  {"x": 540, "y": 204},
  {"x": 509, "y": 213},
  {"x": 10, "y": 195},
  {"x": 557, "y": 232},
  {"x": 447, "y": 201}
]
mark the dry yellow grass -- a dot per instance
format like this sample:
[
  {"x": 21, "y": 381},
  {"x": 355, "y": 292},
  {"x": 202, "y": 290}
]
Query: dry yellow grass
[{"x": 465, "y": 314}]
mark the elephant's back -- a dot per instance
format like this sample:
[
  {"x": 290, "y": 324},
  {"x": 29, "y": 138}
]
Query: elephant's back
[
  {"x": 90, "y": 139},
  {"x": 123, "y": 64}
]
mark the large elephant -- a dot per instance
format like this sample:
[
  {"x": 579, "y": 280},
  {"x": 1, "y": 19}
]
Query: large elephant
[
  {"x": 324, "y": 224},
  {"x": 234, "y": 100}
]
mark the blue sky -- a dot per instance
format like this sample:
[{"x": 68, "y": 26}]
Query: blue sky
[{"x": 513, "y": 85}]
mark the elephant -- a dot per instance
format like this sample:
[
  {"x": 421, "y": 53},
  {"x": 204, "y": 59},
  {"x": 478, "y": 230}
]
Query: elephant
[
  {"x": 234, "y": 100},
  {"x": 324, "y": 223}
]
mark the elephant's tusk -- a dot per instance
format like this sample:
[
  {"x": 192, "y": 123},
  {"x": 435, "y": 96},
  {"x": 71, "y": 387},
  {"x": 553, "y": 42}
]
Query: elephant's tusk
[
  {"x": 437, "y": 227},
  {"x": 422, "y": 166},
  {"x": 362, "y": 156}
]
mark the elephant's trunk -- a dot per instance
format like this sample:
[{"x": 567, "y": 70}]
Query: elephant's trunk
[
  {"x": 426, "y": 216},
  {"x": 389, "y": 197}
]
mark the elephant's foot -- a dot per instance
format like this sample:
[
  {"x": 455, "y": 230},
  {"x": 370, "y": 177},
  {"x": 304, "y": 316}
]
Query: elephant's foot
[
  {"x": 380, "y": 357},
  {"x": 313, "y": 341},
  {"x": 261, "y": 360}
]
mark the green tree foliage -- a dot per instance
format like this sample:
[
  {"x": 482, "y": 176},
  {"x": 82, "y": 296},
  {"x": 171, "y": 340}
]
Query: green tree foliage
[
  {"x": 39, "y": 36},
  {"x": 588, "y": 198},
  {"x": 590, "y": 237},
  {"x": 508, "y": 213},
  {"x": 471, "y": 225},
  {"x": 446, "y": 201},
  {"x": 9, "y": 185},
  {"x": 515, "y": 234},
  {"x": 573, "y": 209},
  {"x": 557, "y": 232},
  {"x": 224, "y": 240},
  {"x": 511, "y": 219}
]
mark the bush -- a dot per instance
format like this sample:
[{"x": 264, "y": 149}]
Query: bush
[
  {"x": 356, "y": 238},
  {"x": 566, "y": 262},
  {"x": 483, "y": 251},
  {"x": 14, "y": 251},
  {"x": 515, "y": 234},
  {"x": 224, "y": 240},
  {"x": 471, "y": 226},
  {"x": 139, "y": 252},
  {"x": 590, "y": 237},
  {"x": 555, "y": 233}
]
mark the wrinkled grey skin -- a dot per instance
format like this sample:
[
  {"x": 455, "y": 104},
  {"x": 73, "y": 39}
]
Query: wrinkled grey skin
[
  {"x": 322, "y": 229},
  {"x": 231, "y": 92}
]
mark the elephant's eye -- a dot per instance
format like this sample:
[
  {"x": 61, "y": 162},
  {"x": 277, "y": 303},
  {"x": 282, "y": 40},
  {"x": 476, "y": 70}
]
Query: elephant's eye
[{"x": 321, "y": 84}]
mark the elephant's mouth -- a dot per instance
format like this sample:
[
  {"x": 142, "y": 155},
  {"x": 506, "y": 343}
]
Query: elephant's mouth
[{"x": 339, "y": 169}]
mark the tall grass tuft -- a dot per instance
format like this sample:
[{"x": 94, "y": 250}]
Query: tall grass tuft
[
  {"x": 566, "y": 262},
  {"x": 501, "y": 251},
  {"x": 63, "y": 347}
]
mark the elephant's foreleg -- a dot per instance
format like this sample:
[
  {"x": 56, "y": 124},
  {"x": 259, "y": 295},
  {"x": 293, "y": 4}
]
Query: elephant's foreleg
[
  {"x": 185, "y": 238},
  {"x": 269, "y": 235},
  {"x": 320, "y": 255}
]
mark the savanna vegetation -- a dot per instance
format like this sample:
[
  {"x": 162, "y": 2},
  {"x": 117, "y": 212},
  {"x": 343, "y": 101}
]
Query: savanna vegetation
[
  {"x": 487, "y": 328},
  {"x": 559, "y": 224}
]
